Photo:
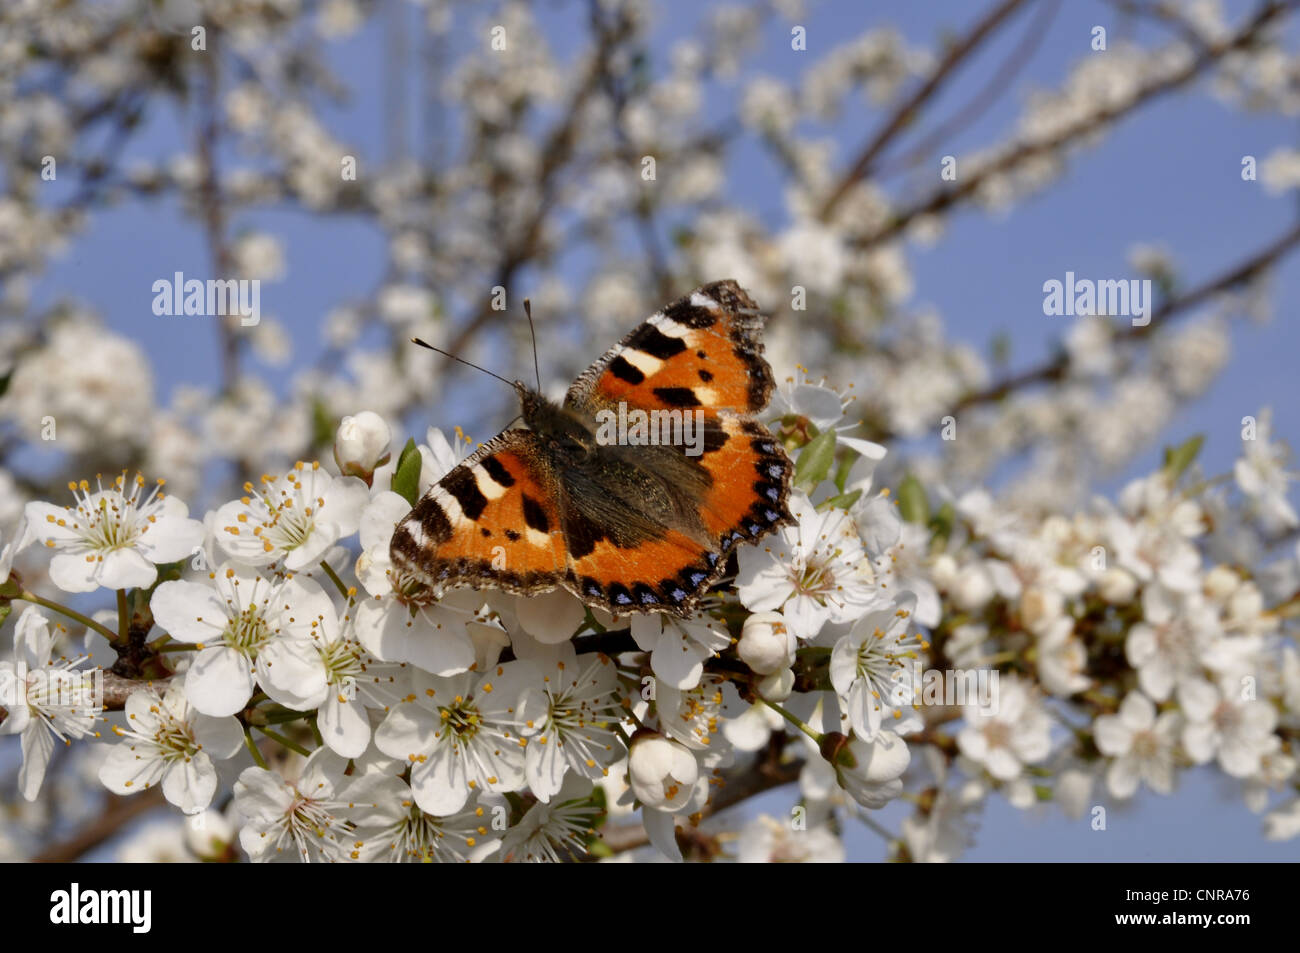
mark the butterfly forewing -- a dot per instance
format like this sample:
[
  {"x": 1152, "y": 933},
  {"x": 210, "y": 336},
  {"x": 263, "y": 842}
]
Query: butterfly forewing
[
  {"x": 491, "y": 521},
  {"x": 702, "y": 351}
]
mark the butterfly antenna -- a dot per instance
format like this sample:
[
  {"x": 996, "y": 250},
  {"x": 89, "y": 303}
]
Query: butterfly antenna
[
  {"x": 528, "y": 310},
  {"x": 461, "y": 359}
]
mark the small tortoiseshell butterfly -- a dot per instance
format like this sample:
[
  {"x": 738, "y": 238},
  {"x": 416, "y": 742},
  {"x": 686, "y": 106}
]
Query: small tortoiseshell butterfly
[{"x": 630, "y": 528}]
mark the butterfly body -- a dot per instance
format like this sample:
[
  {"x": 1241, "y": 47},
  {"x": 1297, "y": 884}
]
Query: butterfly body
[{"x": 628, "y": 526}]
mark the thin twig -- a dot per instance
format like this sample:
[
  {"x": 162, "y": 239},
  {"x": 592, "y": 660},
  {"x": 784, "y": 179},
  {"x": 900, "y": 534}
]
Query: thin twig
[
  {"x": 969, "y": 185},
  {"x": 906, "y": 112},
  {"x": 992, "y": 91},
  {"x": 1058, "y": 367},
  {"x": 556, "y": 150},
  {"x": 212, "y": 201},
  {"x": 117, "y": 813}
]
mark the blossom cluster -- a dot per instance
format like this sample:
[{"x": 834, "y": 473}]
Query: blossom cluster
[
  {"x": 385, "y": 720},
  {"x": 418, "y": 712},
  {"x": 258, "y": 665}
]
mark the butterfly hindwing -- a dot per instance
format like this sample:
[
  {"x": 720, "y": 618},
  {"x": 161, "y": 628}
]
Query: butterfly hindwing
[
  {"x": 492, "y": 520},
  {"x": 743, "y": 495},
  {"x": 663, "y": 574},
  {"x": 750, "y": 485}
]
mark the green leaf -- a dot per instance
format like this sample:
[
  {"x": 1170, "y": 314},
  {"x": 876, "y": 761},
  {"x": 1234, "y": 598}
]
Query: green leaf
[
  {"x": 842, "y": 472},
  {"x": 323, "y": 425},
  {"x": 1179, "y": 458},
  {"x": 815, "y": 460},
  {"x": 913, "y": 504},
  {"x": 602, "y": 804},
  {"x": 1000, "y": 348},
  {"x": 941, "y": 523},
  {"x": 6, "y": 607},
  {"x": 842, "y": 502},
  {"x": 168, "y": 572},
  {"x": 406, "y": 480}
]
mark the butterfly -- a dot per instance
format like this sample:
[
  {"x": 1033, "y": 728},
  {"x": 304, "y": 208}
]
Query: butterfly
[{"x": 623, "y": 520}]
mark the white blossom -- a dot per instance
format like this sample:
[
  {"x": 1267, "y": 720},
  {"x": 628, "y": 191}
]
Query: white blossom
[
  {"x": 291, "y": 519},
  {"x": 460, "y": 734},
  {"x": 235, "y": 621},
  {"x": 166, "y": 741},
  {"x": 46, "y": 698},
  {"x": 814, "y": 572},
  {"x": 1008, "y": 734},
  {"x": 1142, "y": 744},
  {"x": 299, "y": 819},
  {"x": 113, "y": 537}
]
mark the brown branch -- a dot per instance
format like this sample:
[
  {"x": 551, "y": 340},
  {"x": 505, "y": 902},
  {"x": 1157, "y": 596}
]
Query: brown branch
[
  {"x": 556, "y": 151},
  {"x": 1057, "y": 368},
  {"x": 907, "y": 110},
  {"x": 615, "y": 89},
  {"x": 118, "y": 812},
  {"x": 1163, "y": 15},
  {"x": 998, "y": 84},
  {"x": 211, "y": 199},
  {"x": 945, "y": 199},
  {"x": 117, "y": 690}
]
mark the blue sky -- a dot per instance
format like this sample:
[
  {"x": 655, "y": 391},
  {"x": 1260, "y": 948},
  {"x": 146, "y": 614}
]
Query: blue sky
[{"x": 1171, "y": 176}]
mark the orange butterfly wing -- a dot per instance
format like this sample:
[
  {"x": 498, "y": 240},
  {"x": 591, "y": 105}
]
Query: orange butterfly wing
[
  {"x": 702, "y": 353},
  {"x": 491, "y": 521},
  {"x": 708, "y": 343},
  {"x": 506, "y": 518}
]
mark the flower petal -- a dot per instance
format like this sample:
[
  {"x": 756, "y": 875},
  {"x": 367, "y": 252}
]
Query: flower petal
[{"x": 219, "y": 681}]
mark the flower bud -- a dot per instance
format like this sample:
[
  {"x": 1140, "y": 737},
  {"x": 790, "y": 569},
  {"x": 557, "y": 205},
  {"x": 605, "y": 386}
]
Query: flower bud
[
  {"x": 973, "y": 588},
  {"x": 944, "y": 571},
  {"x": 209, "y": 835},
  {"x": 869, "y": 770},
  {"x": 1220, "y": 583},
  {"x": 661, "y": 772},
  {"x": 766, "y": 644},
  {"x": 777, "y": 686},
  {"x": 1040, "y": 606},
  {"x": 1117, "y": 586},
  {"x": 361, "y": 444}
]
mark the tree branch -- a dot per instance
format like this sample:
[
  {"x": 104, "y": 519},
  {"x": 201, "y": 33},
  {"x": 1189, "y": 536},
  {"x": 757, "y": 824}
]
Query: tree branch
[
  {"x": 116, "y": 691},
  {"x": 907, "y": 110},
  {"x": 1012, "y": 157},
  {"x": 118, "y": 812},
  {"x": 211, "y": 200},
  {"x": 555, "y": 151},
  {"x": 987, "y": 96},
  {"x": 1057, "y": 368}
]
